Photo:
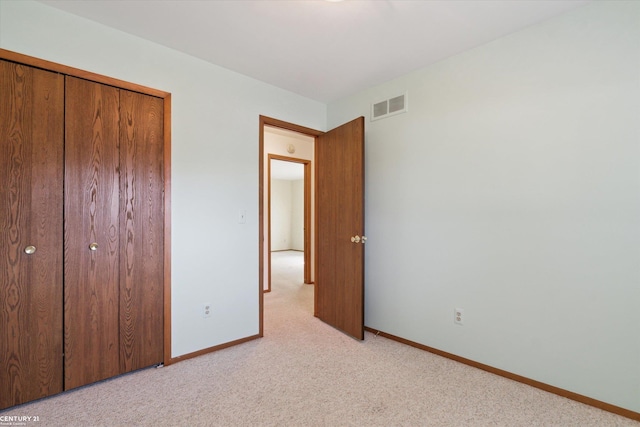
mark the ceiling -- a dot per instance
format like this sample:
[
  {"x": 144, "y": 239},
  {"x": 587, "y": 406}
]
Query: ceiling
[{"x": 319, "y": 49}]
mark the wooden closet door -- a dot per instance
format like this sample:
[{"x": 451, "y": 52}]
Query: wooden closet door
[
  {"x": 142, "y": 228},
  {"x": 31, "y": 147},
  {"x": 91, "y": 297}
]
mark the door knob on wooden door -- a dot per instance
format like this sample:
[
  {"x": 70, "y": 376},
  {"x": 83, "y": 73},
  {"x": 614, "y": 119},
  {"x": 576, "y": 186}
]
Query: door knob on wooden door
[
  {"x": 355, "y": 239},
  {"x": 93, "y": 246},
  {"x": 29, "y": 250}
]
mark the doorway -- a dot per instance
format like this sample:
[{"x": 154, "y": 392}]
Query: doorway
[
  {"x": 338, "y": 250},
  {"x": 295, "y": 144},
  {"x": 289, "y": 206}
]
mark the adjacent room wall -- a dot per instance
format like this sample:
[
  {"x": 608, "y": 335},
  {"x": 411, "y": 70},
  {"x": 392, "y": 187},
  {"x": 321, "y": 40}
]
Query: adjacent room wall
[
  {"x": 519, "y": 164},
  {"x": 287, "y": 214},
  {"x": 297, "y": 215},
  {"x": 280, "y": 214},
  {"x": 215, "y": 125}
]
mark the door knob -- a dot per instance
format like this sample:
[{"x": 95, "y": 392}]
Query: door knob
[
  {"x": 29, "y": 250},
  {"x": 93, "y": 246},
  {"x": 355, "y": 239},
  {"x": 363, "y": 239}
]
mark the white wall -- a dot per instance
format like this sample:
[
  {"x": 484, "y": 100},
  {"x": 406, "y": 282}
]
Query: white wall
[
  {"x": 215, "y": 124},
  {"x": 287, "y": 214},
  {"x": 297, "y": 215},
  {"x": 520, "y": 168},
  {"x": 280, "y": 214}
]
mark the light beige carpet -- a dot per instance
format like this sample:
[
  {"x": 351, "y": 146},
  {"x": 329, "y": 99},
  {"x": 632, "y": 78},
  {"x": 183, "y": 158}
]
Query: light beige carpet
[{"x": 305, "y": 373}]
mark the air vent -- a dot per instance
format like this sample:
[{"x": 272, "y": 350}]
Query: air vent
[
  {"x": 380, "y": 109},
  {"x": 389, "y": 107}
]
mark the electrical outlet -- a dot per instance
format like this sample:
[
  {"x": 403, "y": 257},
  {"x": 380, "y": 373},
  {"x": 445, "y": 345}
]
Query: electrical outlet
[
  {"x": 206, "y": 310},
  {"x": 458, "y": 316}
]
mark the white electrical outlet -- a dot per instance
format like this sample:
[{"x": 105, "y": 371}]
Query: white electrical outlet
[
  {"x": 458, "y": 316},
  {"x": 206, "y": 310}
]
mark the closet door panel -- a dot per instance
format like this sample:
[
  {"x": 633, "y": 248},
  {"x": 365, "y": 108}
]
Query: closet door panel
[
  {"x": 142, "y": 226},
  {"x": 31, "y": 147},
  {"x": 92, "y": 235}
]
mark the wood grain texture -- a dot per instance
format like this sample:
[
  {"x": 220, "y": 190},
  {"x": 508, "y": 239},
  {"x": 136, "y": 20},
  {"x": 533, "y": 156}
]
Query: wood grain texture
[
  {"x": 166, "y": 97},
  {"x": 91, "y": 215},
  {"x": 31, "y": 147},
  {"x": 339, "y": 160},
  {"x": 307, "y": 224},
  {"x": 141, "y": 225},
  {"x": 167, "y": 227}
]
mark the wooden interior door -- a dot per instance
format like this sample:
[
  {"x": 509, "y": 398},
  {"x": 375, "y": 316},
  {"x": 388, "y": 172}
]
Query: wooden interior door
[
  {"x": 142, "y": 229},
  {"x": 91, "y": 296},
  {"x": 339, "y": 159},
  {"x": 31, "y": 147}
]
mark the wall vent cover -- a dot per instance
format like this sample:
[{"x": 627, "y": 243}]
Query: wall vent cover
[{"x": 389, "y": 107}]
